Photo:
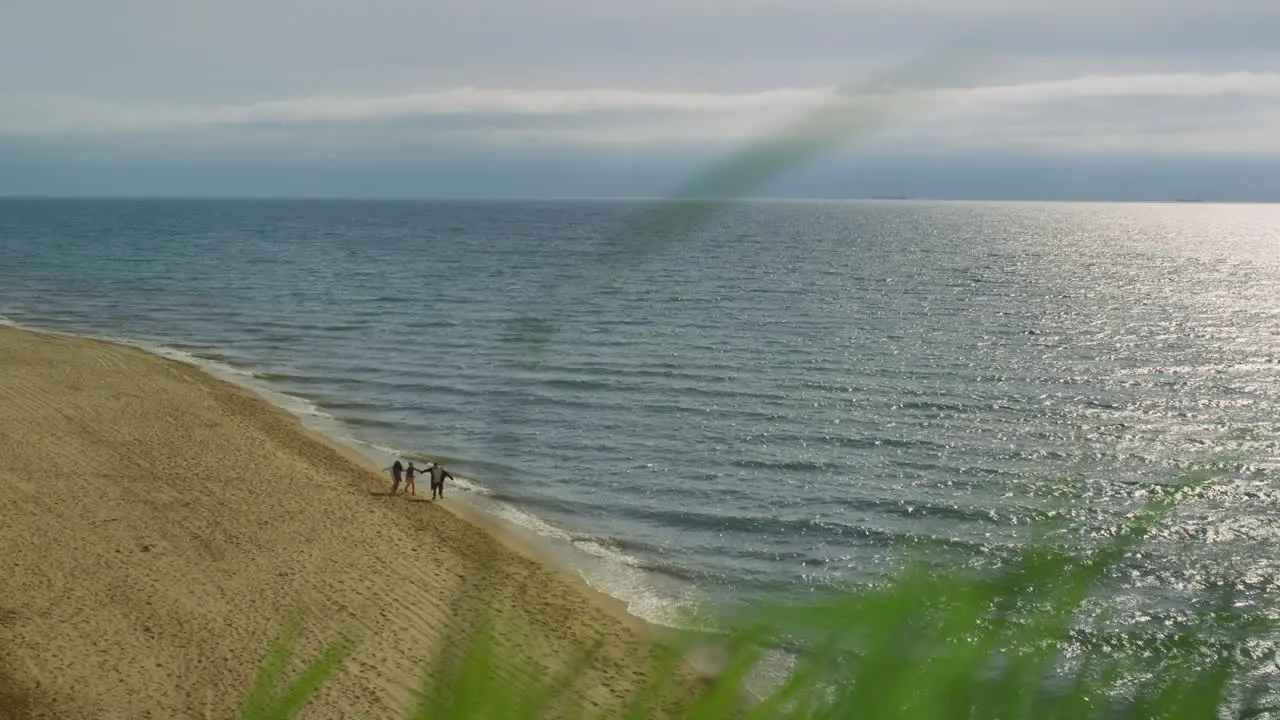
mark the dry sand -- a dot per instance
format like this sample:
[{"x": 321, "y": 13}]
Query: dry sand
[{"x": 158, "y": 526}]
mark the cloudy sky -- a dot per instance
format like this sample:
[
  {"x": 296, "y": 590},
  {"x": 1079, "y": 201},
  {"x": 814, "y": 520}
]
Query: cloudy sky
[{"x": 1074, "y": 98}]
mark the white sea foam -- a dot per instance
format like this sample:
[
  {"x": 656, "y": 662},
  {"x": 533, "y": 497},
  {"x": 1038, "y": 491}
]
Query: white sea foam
[
  {"x": 472, "y": 486},
  {"x": 651, "y": 597}
]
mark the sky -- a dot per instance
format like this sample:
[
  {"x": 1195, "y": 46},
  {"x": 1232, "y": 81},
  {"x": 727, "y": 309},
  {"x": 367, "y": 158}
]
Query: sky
[{"x": 1070, "y": 99}]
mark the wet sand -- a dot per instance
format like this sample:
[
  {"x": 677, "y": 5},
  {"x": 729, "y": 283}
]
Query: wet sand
[{"x": 160, "y": 526}]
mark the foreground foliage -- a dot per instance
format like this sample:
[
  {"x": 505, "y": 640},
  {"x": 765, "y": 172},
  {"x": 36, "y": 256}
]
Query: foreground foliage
[{"x": 1010, "y": 641}]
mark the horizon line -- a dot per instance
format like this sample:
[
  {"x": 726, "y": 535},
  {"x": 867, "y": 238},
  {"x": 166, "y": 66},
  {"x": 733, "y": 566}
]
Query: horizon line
[{"x": 625, "y": 198}]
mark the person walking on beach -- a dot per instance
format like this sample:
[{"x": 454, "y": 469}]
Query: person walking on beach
[
  {"x": 438, "y": 474},
  {"x": 410, "y": 473},
  {"x": 396, "y": 470}
]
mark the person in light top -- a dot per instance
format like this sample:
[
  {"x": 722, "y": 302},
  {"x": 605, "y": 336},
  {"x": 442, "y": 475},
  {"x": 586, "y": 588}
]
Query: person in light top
[{"x": 410, "y": 473}]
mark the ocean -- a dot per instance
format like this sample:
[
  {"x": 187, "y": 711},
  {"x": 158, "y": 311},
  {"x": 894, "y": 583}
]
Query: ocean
[{"x": 788, "y": 397}]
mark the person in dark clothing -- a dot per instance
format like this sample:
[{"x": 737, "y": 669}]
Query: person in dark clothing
[
  {"x": 409, "y": 474},
  {"x": 438, "y": 474},
  {"x": 396, "y": 470}
]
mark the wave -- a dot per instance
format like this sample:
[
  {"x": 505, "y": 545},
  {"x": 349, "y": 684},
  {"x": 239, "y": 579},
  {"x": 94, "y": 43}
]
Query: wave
[
  {"x": 783, "y": 465},
  {"x": 304, "y": 327},
  {"x": 366, "y": 422},
  {"x": 290, "y": 377},
  {"x": 330, "y": 404},
  {"x": 772, "y": 526}
]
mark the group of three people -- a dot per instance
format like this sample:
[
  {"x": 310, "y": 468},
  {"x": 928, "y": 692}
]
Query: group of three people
[{"x": 408, "y": 474}]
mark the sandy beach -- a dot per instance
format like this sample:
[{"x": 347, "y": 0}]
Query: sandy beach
[{"x": 160, "y": 525}]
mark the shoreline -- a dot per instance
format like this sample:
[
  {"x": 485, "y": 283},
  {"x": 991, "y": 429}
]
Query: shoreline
[
  {"x": 544, "y": 545},
  {"x": 320, "y": 534}
]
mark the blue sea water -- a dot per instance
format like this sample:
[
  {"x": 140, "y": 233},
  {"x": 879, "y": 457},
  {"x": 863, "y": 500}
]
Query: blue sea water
[{"x": 789, "y": 396}]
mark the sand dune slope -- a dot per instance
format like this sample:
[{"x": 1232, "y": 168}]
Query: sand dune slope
[{"x": 158, "y": 526}]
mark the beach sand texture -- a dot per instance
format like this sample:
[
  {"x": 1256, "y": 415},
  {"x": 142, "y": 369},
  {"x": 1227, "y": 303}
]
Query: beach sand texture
[{"x": 159, "y": 526}]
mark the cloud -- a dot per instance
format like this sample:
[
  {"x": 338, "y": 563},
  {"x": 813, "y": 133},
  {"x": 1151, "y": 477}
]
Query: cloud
[
  {"x": 1186, "y": 112},
  {"x": 237, "y": 49},
  {"x": 73, "y": 114}
]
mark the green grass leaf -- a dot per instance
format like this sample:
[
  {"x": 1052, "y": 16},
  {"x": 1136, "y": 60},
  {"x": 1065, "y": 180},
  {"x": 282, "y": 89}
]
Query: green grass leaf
[{"x": 267, "y": 701}]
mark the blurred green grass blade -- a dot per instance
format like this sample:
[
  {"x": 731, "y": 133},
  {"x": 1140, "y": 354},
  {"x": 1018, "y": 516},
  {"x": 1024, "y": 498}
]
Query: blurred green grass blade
[
  {"x": 265, "y": 702},
  {"x": 726, "y": 693},
  {"x": 954, "y": 645},
  {"x": 455, "y": 679},
  {"x": 547, "y": 696},
  {"x": 470, "y": 683},
  {"x": 797, "y": 696},
  {"x": 311, "y": 680},
  {"x": 664, "y": 664},
  {"x": 271, "y": 670}
]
